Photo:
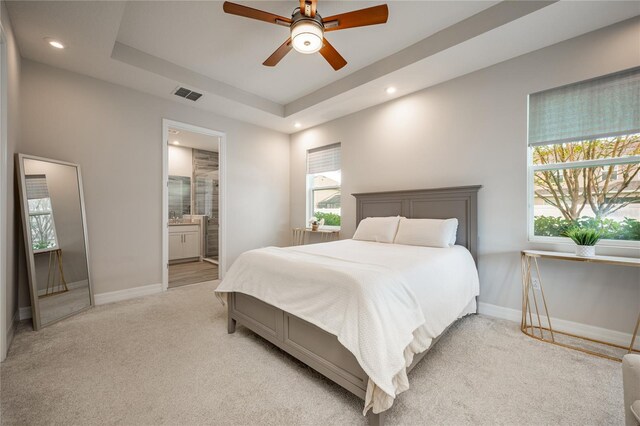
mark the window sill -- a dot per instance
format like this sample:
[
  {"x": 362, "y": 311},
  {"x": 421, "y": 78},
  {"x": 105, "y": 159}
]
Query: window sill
[
  {"x": 604, "y": 247},
  {"x": 329, "y": 228}
]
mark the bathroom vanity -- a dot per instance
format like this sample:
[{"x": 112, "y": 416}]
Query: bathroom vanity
[{"x": 184, "y": 241}]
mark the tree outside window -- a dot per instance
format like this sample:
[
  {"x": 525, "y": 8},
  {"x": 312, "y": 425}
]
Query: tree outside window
[
  {"x": 593, "y": 183},
  {"x": 41, "y": 223}
]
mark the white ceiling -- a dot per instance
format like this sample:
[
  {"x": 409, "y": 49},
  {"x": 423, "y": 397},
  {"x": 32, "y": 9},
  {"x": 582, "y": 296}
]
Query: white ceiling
[
  {"x": 155, "y": 46},
  {"x": 231, "y": 49}
]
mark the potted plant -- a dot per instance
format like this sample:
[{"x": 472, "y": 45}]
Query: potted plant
[
  {"x": 315, "y": 223},
  {"x": 585, "y": 239}
]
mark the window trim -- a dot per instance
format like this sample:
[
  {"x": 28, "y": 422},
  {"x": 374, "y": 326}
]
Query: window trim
[
  {"x": 329, "y": 228},
  {"x": 531, "y": 169},
  {"x": 584, "y": 163}
]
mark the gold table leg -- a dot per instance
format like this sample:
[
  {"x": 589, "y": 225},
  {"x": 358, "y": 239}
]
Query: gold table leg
[
  {"x": 529, "y": 329},
  {"x": 523, "y": 321},
  {"x": 51, "y": 274},
  {"x": 544, "y": 300},
  {"x": 635, "y": 333},
  {"x": 62, "y": 279},
  {"x": 49, "y": 283}
]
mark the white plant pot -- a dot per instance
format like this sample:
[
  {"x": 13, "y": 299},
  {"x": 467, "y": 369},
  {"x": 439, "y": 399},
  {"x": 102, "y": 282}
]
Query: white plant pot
[{"x": 585, "y": 251}]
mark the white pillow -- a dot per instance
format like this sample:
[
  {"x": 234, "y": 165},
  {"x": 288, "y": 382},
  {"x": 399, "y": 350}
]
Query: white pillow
[
  {"x": 379, "y": 229},
  {"x": 427, "y": 232}
]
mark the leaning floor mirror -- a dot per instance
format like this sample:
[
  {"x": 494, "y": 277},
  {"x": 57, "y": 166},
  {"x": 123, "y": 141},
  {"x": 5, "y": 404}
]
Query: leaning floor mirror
[{"x": 55, "y": 235}]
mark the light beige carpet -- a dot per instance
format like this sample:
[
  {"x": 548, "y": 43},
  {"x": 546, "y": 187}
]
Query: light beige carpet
[{"x": 167, "y": 359}]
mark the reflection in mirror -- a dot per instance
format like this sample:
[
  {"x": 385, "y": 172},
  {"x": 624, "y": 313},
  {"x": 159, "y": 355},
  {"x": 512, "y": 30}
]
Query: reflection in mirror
[
  {"x": 55, "y": 238},
  {"x": 43, "y": 230},
  {"x": 179, "y": 196}
]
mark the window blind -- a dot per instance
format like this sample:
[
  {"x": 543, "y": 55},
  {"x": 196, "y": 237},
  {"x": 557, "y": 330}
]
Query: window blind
[
  {"x": 323, "y": 159},
  {"x": 591, "y": 109},
  {"x": 36, "y": 187}
]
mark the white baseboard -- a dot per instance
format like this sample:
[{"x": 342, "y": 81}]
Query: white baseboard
[
  {"x": 590, "y": 331},
  {"x": 71, "y": 286},
  {"x": 24, "y": 313},
  {"x": 501, "y": 312},
  {"x": 11, "y": 331},
  {"x": 129, "y": 293},
  {"x": 108, "y": 297}
]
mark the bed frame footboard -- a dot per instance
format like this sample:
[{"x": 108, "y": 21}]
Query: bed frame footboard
[
  {"x": 313, "y": 346},
  {"x": 304, "y": 341}
]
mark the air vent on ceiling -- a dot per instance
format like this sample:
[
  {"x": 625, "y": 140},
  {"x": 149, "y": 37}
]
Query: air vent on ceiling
[{"x": 187, "y": 94}]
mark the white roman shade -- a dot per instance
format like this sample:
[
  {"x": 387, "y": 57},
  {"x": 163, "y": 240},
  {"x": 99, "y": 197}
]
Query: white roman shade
[
  {"x": 600, "y": 107},
  {"x": 323, "y": 159},
  {"x": 36, "y": 187}
]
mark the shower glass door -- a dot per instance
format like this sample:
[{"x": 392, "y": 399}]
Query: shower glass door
[{"x": 205, "y": 197}]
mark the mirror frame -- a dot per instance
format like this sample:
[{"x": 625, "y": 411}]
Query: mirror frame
[{"x": 29, "y": 254}]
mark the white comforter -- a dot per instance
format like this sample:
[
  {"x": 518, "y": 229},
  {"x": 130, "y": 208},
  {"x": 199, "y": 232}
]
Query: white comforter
[{"x": 384, "y": 302}]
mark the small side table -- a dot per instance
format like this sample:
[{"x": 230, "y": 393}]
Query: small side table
[
  {"x": 529, "y": 259},
  {"x": 301, "y": 235}
]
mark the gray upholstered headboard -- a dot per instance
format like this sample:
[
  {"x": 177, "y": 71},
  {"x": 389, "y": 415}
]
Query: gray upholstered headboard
[{"x": 439, "y": 203}]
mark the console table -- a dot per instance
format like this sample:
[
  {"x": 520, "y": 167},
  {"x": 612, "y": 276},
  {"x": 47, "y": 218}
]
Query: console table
[{"x": 531, "y": 306}]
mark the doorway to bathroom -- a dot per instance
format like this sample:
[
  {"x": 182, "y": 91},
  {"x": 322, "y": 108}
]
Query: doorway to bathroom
[{"x": 193, "y": 249}]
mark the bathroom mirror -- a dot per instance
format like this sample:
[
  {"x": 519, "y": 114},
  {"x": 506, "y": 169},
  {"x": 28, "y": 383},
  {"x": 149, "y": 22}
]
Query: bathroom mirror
[
  {"x": 179, "y": 188},
  {"x": 55, "y": 236}
]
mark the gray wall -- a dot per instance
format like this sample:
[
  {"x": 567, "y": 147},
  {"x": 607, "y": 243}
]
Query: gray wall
[
  {"x": 12, "y": 68},
  {"x": 115, "y": 134},
  {"x": 473, "y": 130}
]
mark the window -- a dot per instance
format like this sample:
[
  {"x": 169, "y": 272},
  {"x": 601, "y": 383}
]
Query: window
[
  {"x": 323, "y": 185},
  {"x": 584, "y": 158},
  {"x": 43, "y": 230}
]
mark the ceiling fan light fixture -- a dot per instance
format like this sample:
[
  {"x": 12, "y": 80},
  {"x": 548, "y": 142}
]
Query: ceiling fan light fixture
[
  {"x": 307, "y": 37},
  {"x": 307, "y": 28}
]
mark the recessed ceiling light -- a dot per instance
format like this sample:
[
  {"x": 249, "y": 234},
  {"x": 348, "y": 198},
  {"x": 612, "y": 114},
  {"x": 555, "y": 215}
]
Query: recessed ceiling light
[
  {"x": 390, "y": 90},
  {"x": 54, "y": 43},
  {"x": 297, "y": 125},
  {"x": 176, "y": 142}
]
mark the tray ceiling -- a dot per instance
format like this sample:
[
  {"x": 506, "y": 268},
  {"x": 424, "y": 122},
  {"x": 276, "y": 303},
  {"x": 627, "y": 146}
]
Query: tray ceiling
[
  {"x": 156, "y": 46},
  {"x": 231, "y": 49}
]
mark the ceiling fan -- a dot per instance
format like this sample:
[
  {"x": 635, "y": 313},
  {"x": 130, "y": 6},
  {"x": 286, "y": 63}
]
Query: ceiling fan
[{"x": 307, "y": 28}]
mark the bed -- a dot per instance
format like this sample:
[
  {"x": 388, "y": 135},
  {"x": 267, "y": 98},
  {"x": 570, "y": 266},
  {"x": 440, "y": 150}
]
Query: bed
[{"x": 345, "y": 293}]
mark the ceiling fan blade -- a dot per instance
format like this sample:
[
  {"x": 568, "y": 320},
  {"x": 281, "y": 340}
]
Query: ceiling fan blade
[
  {"x": 279, "y": 54},
  {"x": 357, "y": 18},
  {"x": 308, "y": 7},
  {"x": 332, "y": 56},
  {"x": 249, "y": 12}
]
